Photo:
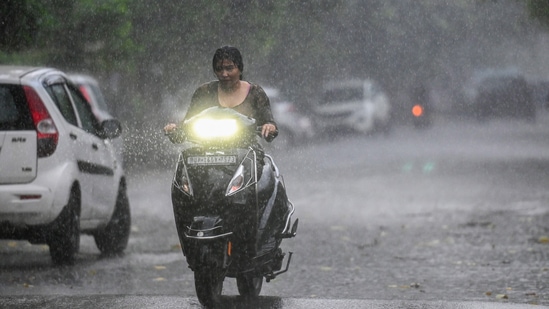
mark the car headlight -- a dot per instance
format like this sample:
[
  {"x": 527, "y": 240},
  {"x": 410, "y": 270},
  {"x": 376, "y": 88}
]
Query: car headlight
[{"x": 215, "y": 128}]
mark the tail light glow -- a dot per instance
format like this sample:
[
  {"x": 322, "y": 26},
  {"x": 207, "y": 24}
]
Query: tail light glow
[
  {"x": 47, "y": 133},
  {"x": 417, "y": 110}
]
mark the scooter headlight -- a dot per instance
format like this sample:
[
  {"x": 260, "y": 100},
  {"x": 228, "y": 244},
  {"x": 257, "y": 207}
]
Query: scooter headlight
[{"x": 208, "y": 128}]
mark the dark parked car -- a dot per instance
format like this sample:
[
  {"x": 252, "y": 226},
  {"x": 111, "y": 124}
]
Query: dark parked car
[{"x": 504, "y": 95}]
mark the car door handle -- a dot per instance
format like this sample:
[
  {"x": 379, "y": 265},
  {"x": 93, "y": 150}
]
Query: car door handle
[
  {"x": 94, "y": 146},
  {"x": 73, "y": 136}
]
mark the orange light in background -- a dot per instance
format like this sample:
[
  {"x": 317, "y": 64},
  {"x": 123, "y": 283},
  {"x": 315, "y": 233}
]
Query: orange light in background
[
  {"x": 417, "y": 110},
  {"x": 229, "y": 248}
]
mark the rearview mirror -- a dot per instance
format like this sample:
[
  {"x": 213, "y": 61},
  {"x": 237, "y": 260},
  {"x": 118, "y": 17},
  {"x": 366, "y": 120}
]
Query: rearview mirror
[{"x": 110, "y": 128}]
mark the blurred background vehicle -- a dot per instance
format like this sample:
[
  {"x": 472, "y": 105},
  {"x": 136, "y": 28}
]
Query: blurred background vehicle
[
  {"x": 294, "y": 127},
  {"x": 359, "y": 105},
  {"x": 91, "y": 90},
  {"x": 501, "y": 94}
]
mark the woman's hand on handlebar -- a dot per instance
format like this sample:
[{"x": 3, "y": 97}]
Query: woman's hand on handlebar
[
  {"x": 170, "y": 128},
  {"x": 268, "y": 129}
]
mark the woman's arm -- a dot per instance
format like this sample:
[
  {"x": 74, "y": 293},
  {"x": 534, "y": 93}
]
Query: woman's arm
[{"x": 264, "y": 115}]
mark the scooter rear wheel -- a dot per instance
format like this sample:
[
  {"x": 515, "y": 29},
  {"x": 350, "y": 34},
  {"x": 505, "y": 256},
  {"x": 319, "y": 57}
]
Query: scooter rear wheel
[
  {"x": 208, "y": 284},
  {"x": 249, "y": 285}
]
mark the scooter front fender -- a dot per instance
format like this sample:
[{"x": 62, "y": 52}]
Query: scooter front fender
[{"x": 206, "y": 245}]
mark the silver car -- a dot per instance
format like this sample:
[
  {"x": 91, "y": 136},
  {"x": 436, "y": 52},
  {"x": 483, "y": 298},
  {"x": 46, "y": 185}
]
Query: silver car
[
  {"x": 359, "y": 105},
  {"x": 59, "y": 175}
]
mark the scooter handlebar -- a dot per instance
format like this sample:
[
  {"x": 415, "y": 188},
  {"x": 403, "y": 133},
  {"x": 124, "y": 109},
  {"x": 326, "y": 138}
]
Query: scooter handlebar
[{"x": 269, "y": 138}]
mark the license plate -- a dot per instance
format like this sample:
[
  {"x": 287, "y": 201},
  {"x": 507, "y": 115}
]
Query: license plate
[{"x": 211, "y": 160}]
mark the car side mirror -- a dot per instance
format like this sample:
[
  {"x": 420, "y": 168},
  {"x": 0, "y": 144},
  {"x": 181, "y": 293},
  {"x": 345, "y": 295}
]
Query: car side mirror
[{"x": 110, "y": 128}]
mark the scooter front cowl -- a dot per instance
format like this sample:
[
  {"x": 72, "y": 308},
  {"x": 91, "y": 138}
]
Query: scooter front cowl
[
  {"x": 206, "y": 244},
  {"x": 206, "y": 228}
]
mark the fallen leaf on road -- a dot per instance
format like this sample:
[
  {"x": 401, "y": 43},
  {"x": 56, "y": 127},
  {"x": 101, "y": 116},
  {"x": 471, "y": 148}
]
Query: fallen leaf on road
[
  {"x": 159, "y": 279},
  {"x": 12, "y": 244},
  {"x": 502, "y": 296},
  {"x": 159, "y": 267},
  {"x": 544, "y": 239}
]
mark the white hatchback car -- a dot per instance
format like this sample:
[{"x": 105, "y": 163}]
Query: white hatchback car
[
  {"x": 59, "y": 174},
  {"x": 359, "y": 105}
]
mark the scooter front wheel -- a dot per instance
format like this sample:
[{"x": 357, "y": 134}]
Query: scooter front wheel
[
  {"x": 249, "y": 285},
  {"x": 208, "y": 284}
]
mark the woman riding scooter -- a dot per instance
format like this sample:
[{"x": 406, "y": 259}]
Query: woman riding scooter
[
  {"x": 230, "y": 203},
  {"x": 231, "y": 91}
]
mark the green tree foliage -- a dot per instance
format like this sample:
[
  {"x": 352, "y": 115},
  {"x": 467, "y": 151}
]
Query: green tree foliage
[
  {"x": 539, "y": 9},
  {"x": 72, "y": 34},
  {"x": 88, "y": 34},
  {"x": 19, "y": 23},
  {"x": 156, "y": 48}
]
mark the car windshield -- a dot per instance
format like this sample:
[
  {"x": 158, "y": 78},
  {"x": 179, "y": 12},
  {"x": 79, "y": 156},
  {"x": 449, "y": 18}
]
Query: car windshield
[{"x": 342, "y": 95}]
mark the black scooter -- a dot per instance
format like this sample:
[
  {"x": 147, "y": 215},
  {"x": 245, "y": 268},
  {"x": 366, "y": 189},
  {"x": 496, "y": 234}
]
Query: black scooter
[{"x": 230, "y": 205}]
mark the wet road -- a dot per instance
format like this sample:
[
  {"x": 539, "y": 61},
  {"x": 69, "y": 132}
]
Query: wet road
[
  {"x": 169, "y": 302},
  {"x": 455, "y": 216}
]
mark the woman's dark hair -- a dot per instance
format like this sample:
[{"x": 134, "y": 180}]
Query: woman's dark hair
[{"x": 229, "y": 53}]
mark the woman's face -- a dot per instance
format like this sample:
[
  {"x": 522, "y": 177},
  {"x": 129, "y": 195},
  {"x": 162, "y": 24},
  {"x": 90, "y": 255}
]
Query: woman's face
[{"x": 227, "y": 72}]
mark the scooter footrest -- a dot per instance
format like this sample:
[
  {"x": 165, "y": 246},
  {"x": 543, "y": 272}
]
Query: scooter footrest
[{"x": 271, "y": 276}]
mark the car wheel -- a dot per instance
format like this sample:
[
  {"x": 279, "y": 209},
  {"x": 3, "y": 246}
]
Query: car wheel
[
  {"x": 113, "y": 239},
  {"x": 365, "y": 124},
  {"x": 385, "y": 127},
  {"x": 64, "y": 237}
]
